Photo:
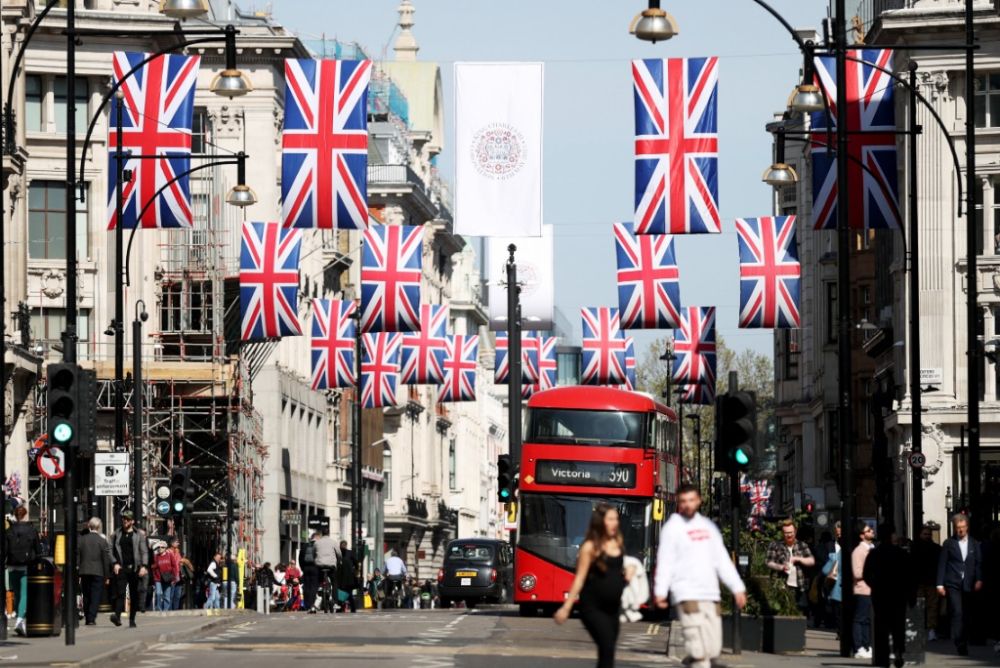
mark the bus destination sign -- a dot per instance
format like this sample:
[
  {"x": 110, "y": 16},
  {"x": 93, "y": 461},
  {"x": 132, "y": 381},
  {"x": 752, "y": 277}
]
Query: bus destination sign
[{"x": 585, "y": 474}]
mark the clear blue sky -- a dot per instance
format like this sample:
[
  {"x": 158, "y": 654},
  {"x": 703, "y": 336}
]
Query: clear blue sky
[{"x": 588, "y": 160}]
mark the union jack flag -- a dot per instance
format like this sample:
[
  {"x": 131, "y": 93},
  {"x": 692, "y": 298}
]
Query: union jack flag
[
  {"x": 380, "y": 369},
  {"x": 390, "y": 278},
  {"x": 603, "y": 347},
  {"x": 694, "y": 348},
  {"x": 699, "y": 394},
  {"x": 769, "y": 272},
  {"x": 649, "y": 294},
  {"x": 333, "y": 340},
  {"x": 269, "y": 281},
  {"x": 871, "y": 144},
  {"x": 156, "y": 120},
  {"x": 529, "y": 358},
  {"x": 460, "y": 369},
  {"x": 423, "y": 352},
  {"x": 631, "y": 381},
  {"x": 759, "y": 494},
  {"x": 676, "y": 145},
  {"x": 547, "y": 366},
  {"x": 324, "y": 144}
]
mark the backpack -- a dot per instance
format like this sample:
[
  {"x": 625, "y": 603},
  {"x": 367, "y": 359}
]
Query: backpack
[
  {"x": 307, "y": 555},
  {"x": 22, "y": 544},
  {"x": 165, "y": 565}
]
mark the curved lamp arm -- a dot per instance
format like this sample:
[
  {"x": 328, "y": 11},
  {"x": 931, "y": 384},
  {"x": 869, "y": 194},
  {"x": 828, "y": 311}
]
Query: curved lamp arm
[
  {"x": 8, "y": 111},
  {"x": 781, "y": 19},
  {"x": 117, "y": 83},
  {"x": 151, "y": 200}
]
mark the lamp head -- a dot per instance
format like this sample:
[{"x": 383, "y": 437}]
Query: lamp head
[
  {"x": 183, "y": 9},
  {"x": 780, "y": 174},
  {"x": 805, "y": 98},
  {"x": 231, "y": 82},
  {"x": 653, "y": 24}
]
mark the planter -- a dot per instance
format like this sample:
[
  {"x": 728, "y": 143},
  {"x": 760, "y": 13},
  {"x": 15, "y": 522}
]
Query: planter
[
  {"x": 750, "y": 632},
  {"x": 782, "y": 635}
]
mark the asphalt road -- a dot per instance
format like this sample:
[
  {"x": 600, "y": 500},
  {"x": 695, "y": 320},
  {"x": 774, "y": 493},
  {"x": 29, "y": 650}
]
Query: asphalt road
[{"x": 390, "y": 639}]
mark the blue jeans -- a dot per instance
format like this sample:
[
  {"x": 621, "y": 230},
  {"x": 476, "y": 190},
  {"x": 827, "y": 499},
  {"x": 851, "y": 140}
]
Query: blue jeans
[
  {"x": 862, "y": 622},
  {"x": 163, "y": 596},
  {"x": 19, "y": 585},
  {"x": 175, "y": 600},
  {"x": 213, "y": 596}
]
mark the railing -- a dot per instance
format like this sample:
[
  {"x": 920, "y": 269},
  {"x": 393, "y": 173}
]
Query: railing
[
  {"x": 390, "y": 174},
  {"x": 416, "y": 507}
]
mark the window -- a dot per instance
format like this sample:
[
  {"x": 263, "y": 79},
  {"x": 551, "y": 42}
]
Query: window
[
  {"x": 34, "y": 97},
  {"x": 387, "y": 473},
  {"x": 585, "y": 427},
  {"x": 199, "y": 130},
  {"x": 59, "y": 95},
  {"x": 568, "y": 368},
  {"x": 831, "y": 312},
  {"x": 47, "y": 222},
  {"x": 988, "y": 100},
  {"x": 994, "y": 215},
  {"x": 452, "y": 466},
  {"x": 791, "y": 356},
  {"x": 48, "y": 324}
]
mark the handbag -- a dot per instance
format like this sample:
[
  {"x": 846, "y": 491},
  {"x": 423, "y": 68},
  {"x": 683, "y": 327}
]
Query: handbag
[{"x": 343, "y": 596}]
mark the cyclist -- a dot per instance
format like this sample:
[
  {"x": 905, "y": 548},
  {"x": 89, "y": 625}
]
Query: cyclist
[
  {"x": 327, "y": 560},
  {"x": 395, "y": 573}
]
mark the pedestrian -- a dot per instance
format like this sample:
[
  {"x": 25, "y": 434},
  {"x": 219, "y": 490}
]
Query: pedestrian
[
  {"x": 129, "y": 556},
  {"x": 183, "y": 587},
  {"x": 375, "y": 589},
  {"x": 599, "y": 582},
  {"x": 232, "y": 581},
  {"x": 960, "y": 573},
  {"x": 347, "y": 577},
  {"x": 408, "y": 592},
  {"x": 23, "y": 547},
  {"x": 862, "y": 593},
  {"x": 690, "y": 562},
  {"x": 926, "y": 553},
  {"x": 265, "y": 585},
  {"x": 790, "y": 558},
  {"x": 310, "y": 573},
  {"x": 93, "y": 558},
  {"x": 166, "y": 575},
  {"x": 889, "y": 572},
  {"x": 834, "y": 583},
  {"x": 214, "y": 578}
]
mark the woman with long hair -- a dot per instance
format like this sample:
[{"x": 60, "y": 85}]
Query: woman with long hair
[{"x": 600, "y": 579}]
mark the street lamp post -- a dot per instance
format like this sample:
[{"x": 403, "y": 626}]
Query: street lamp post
[{"x": 140, "y": 317}]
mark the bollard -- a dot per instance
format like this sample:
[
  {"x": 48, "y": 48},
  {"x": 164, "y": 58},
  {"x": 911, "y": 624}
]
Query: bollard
[{"x": 44, "y": 612}]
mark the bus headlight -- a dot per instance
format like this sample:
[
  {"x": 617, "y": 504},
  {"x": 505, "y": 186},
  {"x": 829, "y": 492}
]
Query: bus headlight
[{"x": 527, "y": 582}]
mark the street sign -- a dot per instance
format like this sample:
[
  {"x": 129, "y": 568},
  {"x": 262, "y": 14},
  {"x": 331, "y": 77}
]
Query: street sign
[
  {"x": 932, "y": 376},
  {"x": 163, "y": 507},
  {"x": 111, "y": 474},
  {"x": 163, "y": 492},
  {"x": 918, "y": 460},
  {"x": 51, "y": 463},
  {"x": 292, "y": 517},
  {"x": 319, "y": 523}
]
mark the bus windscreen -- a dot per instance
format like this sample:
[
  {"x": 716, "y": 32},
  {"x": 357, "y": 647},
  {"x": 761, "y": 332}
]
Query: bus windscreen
[
  {"x": 553, "y": 527},
  {"x": 573, "y": 427}
]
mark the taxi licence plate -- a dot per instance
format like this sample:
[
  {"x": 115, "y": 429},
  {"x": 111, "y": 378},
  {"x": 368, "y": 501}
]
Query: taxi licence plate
[
  {"x": 466, "y": 582},
  {"x": 466, "y": 574}
]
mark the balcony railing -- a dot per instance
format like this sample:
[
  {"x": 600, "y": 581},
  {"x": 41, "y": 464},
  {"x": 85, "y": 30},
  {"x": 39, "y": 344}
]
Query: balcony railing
[{"x": 395, "y": 174}]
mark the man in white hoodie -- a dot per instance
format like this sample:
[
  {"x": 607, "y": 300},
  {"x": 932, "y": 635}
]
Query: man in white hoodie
[{"x": 689, "y": 564}]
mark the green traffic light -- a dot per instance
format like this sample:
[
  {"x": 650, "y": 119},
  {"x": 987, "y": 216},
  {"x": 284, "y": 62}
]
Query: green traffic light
[
  {"x": 505, "y": 493},
  {"x": 741, "y": 457},
  {"x": 62, "y": 432}
]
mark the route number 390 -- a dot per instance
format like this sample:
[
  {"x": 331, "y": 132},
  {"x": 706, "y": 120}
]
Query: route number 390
[{"x": 621, "y": 476}]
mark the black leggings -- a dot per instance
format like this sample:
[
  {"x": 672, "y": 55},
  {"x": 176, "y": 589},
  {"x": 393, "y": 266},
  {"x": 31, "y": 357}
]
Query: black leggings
[{"x": 602, "y": 625}]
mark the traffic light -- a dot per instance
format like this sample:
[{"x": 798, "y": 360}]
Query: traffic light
[
  {"x": 86, "y": 437},
  {"x": 505, "y": 479},
  {"x": 736, "y": 435},
  {"x": 63, "y": 403},
  {"x": 180, "y": 490}
]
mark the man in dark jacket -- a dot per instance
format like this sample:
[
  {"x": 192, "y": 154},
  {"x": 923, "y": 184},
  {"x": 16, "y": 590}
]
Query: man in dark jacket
[
  {"x": 888, "y": 570},
  {"x": 93, "y": 554},
  {"x": 129, "y": 556},
  {"x": 926, "y": 554},
  {"x": 960, "y": 572},
  {"x": 347, "y": 577}
]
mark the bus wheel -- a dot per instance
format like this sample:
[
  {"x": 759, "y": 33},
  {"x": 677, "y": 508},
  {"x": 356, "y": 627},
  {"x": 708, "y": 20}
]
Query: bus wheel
[{"x": 528, "y": 610}]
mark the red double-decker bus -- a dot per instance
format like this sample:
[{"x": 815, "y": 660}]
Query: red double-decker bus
[{"x": 582, "y": 446}]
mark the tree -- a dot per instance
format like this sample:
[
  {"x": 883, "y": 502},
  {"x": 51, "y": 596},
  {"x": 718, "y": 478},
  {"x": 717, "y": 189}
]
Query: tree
[{"x": 755, "y": 373}]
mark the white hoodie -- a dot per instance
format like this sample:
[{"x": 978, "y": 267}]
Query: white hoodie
[{"x": 692, "y": 559}]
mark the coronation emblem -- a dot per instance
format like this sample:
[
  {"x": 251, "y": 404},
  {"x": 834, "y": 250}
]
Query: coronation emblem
[{"x": 498, "y": 151}]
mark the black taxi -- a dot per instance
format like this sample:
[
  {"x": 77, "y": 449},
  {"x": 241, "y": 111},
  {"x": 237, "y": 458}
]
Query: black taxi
[{"x": 476, "y": 570}]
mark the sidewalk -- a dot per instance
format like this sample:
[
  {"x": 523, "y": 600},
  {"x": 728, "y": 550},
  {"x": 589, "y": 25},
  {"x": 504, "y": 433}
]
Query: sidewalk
[
  {"x": 96, "y": 645},
  {"x": 822, "y": 649}
]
